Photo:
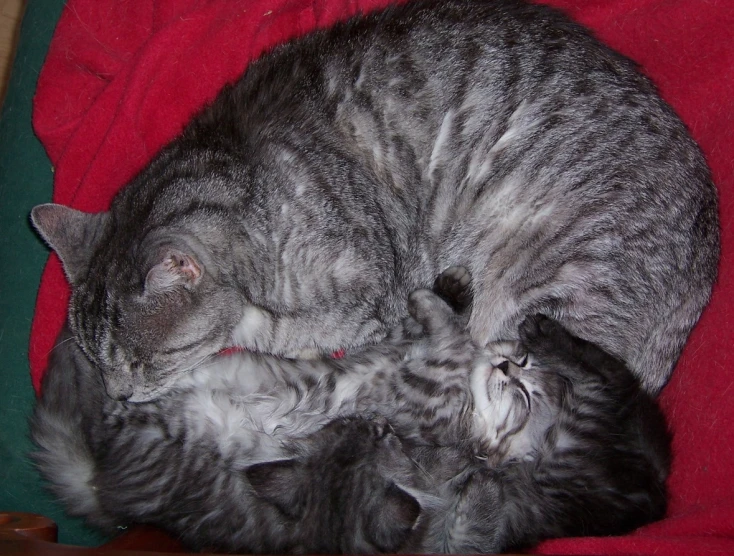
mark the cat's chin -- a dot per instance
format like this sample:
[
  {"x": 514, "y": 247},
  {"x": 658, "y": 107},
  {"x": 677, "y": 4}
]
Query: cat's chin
[
  {"x": 141, "y": 396},
  {"x": 308, "y": 353},
  {"x": 150, "y": 395},
  {"x": 144, "y": 398}
]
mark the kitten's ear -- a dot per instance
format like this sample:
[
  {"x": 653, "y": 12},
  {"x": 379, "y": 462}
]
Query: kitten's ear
[
  {"x": 281, "y": 483},
  {"x": 391, "y": 522},
  {"x": 71, "y": 233},
  {"x": 177, "y": 268}
]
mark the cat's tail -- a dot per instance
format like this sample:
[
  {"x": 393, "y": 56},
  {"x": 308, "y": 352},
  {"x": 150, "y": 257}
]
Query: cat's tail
[
  {"x": 62, "y": 454},
  {"x": 64, "y": 460}
]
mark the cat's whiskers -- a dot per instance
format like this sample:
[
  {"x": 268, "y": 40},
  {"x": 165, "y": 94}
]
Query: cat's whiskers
[
  {"x": 70, "y": 339},
  {"x": 423, "y": 471}
]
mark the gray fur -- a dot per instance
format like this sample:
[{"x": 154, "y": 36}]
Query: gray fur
[
  {"x": 348, "y": 167},
  {"x": 388, "y": 450}
]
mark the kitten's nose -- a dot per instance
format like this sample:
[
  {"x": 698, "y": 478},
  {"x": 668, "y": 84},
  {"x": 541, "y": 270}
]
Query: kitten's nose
[{"x": 504, "y": 366}]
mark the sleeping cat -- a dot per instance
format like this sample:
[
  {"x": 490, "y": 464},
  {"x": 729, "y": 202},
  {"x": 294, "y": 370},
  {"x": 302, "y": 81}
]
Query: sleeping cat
[
  {"x": 598, "y": 468},
  {"x": 348, "y": 167},
  {"x": 419, "y": 444}
]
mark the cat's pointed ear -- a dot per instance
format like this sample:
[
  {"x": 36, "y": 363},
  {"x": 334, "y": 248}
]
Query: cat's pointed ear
[
  {"x": 176, "y": 268},
  {"x": 281, "y": 483},
  {"x": 391, "y": 522},
  {"x": 73, "y": 234}
]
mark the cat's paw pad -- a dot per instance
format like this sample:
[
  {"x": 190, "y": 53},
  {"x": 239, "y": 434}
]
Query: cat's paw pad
[
  {"x": 539, "y": 330},
  {"x": 453, "y": 285}
]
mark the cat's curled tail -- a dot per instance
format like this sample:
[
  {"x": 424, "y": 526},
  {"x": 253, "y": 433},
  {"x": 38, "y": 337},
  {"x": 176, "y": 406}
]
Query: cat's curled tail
[{"x": 57, "y": 426}]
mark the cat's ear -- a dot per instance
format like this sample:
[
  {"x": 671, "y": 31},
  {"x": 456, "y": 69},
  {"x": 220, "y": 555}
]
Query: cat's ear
[
  {"x": 281, "y": 483},
  {"x": 176, "y": 268},
  {"x": 73, "y": 234},
  {"x": 391, "y": 522}
]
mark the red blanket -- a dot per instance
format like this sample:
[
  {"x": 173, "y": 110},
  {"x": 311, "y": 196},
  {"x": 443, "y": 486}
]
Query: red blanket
[{"x": 122, "y": 77}]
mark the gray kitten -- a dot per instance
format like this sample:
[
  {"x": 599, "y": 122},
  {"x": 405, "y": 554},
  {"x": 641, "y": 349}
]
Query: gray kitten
[
  {"x": 425, "y": 443},
  {"x": 347, "y": 168}
]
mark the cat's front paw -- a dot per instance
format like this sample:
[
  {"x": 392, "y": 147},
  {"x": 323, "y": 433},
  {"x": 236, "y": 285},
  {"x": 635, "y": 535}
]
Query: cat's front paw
[
  {"x": 453, "y": 285},
  {"x": 430, "y": 311}
]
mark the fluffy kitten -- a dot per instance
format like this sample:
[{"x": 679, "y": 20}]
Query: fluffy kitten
[
  {"x": 419, "y": 444},
  {"x": 348, "y": 167},
  {"x": 579, "y": 450},
  {"x": 587, "y": 451}
]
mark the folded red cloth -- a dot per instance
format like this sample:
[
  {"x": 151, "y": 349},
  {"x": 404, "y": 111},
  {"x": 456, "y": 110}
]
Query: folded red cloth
[{"x": 121, "y": 78}]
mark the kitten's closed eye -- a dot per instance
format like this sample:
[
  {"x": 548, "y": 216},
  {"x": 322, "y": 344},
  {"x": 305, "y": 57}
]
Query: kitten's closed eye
[{"x": 511, "y": 351}]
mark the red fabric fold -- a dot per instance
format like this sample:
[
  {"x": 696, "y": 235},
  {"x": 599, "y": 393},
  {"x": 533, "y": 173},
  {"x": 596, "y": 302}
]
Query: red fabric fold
[{"x": 121, "y": 79}]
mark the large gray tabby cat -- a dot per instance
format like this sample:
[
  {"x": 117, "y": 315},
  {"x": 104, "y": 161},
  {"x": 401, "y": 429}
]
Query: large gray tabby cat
[{"x": 347, "y": 168}]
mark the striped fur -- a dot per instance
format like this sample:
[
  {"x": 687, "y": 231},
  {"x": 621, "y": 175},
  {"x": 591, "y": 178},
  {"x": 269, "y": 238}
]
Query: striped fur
[
  {"x": 383, "y": 451},
  {"x": 348, "y": 167}
]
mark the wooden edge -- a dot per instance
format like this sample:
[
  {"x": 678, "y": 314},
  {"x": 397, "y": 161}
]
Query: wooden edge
[
  {"x": 24, "y": 526},
  {"x": 31, "y": 534},
  {"x": 34, "y": 535}
]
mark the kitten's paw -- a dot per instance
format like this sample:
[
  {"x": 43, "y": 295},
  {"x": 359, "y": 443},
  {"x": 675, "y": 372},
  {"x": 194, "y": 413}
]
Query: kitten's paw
[
  {"x": 541, "y": 333},
  {"x": 411, "y": 328},
  {"x": 538, "y": 326},
  {"x": 370, "y": 426},
  {"x": 453, "y": 285},
  {"x": 380, "y": 427},
  {"x": 429, "y": 310},
  {"x": 534, "y": 326}
]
